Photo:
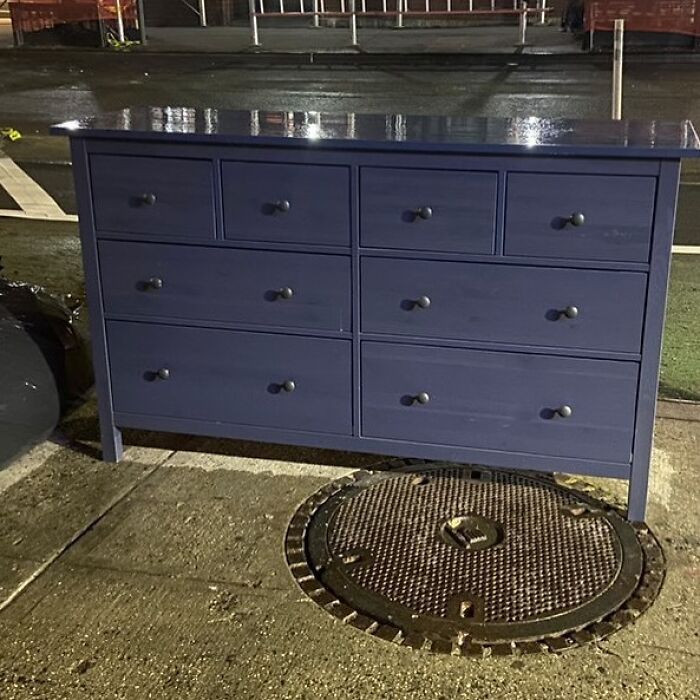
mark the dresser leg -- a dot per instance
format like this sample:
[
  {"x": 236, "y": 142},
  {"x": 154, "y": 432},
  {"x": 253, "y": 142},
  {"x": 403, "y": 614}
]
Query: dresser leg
[
  {"x": 112, "y": 447},
  {"x": 637, "y": 495}
]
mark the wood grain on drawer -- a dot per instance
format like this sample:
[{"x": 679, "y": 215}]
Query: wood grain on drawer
[
  {"x": 231, "y": 377},
  {"x": 288, "y": 203},
  {"x": 432, "y": 210},
  {"x": 222, "y": 284},
  {"x": 499, "y": 401},
  {"x": 584, "y": 217},
  {"x": 588, "y": 309},
  {"x": 153, "y": 196}
]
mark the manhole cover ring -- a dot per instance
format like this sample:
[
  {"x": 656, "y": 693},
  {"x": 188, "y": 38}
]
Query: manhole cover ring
[{"x": 332, "y": 575}]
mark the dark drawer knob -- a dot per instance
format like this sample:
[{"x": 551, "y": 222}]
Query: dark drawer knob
[
  {"x": 154, "y": 283},
  {"x": 424, "y": 213},
  {"x": 569, "y": 312},
  {"x": 285, "y": 293},
  {"x": 577, "y": 219},
  {"x": 289, "y": 386},
  {"x": 282, "y": 206},
  {"x": 149, "y": 198},
  {"x": 163, "y": 373},
  {"x": 564, "y": 411},
  {"x": 422, "y": 302},
  {"x": 422, "y": 398}
]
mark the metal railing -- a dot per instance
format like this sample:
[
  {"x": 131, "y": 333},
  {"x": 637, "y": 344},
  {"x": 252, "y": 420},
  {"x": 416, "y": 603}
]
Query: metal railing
[
  {"x": 200, "y": 10},
  {"x": 398, "y": 10}
]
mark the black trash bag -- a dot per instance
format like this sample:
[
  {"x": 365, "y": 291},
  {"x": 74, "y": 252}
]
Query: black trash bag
[{"x": 45, "y": 366}]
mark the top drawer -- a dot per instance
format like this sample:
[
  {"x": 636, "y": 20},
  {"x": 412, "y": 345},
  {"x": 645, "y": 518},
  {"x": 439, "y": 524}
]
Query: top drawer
[
  {"x": 583, "y": 217},
  {"x": 286, "y": 203},
  {"x": 170, "y": 197},
  {"x": 442, "y": 210}
]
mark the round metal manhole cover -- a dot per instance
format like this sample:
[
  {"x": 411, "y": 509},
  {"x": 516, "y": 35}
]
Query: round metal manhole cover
[{"x": 463, "y": 560}]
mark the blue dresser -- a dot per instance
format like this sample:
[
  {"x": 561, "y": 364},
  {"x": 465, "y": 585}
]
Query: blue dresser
[{"x": 473, "y": 290}]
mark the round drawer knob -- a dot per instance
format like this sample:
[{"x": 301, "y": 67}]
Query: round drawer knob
[
  {"x": 285, "y": 293},
  {"x": 148, "y": 198},
  {"x": 569, "y": 312},
  {"x": 422, "y": 398},
  {"x": 422, "y": 302},
  {"x": 564, "y": 411},
  {"x": 155, "y": 283},
  {"x": 282, "y": 206},
  {"x": 163, "y": 373},
  {"x": 424, "y": 213},
  {"x": 288, "y": 386},
  {"x": 577, "y": 219}
]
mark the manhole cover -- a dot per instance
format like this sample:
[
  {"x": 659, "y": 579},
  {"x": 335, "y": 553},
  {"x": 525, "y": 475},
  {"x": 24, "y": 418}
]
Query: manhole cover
[{"x": 463, "y": 560}]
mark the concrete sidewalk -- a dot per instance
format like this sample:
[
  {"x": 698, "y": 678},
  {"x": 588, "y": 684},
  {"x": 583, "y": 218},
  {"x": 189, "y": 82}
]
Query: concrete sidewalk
[
  {"x": 164, "y": 576},
  {"x": 503, "y": 40},
  {"x": 296, "y": 44},
  {"x": 300, "y": 38}
]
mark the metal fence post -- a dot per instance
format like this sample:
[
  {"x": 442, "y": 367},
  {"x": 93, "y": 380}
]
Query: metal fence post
[
  {"x": 591, "y": 33},
  {"x": 542, "y": 4},
  {"x": 399, "y": 15},
  {"x": 316, "y": 24},
  {"x": 353, "y": 23},
  {"x": 254, "y": 38},
  {"x": 202, "y": 13},
  {"x": 142, "y": 23},
  {"x": 618, "y": 51},
  {"x": 522, "y": 25},
  {"x": 17, "y": 32},
  {"x": 120, "y": 23}
]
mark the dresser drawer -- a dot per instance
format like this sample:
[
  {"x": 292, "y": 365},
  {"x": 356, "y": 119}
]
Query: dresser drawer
[
  {"x": 231, "y": 377},
  {"x": 587, "y": 309},
  {"x": 221, "y": 284},
  {"x": 499, "y": 401},
  {"x": 588, "y": 217},
  {"x": 434, "y": 210},
  {"x": 153, "y": 196},
  {"x": 278, "y": 202}
]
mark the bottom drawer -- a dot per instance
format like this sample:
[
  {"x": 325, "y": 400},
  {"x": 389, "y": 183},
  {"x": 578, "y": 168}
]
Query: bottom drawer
[
  {"x": 231, "y": 377},
  {"x": 554, "y": 406}
]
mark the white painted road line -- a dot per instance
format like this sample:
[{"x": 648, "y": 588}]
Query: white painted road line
[
  {"x": 686, "y": 249},
  {"x": 17, "y": 214},
  {"x": 34, "y": 201}
]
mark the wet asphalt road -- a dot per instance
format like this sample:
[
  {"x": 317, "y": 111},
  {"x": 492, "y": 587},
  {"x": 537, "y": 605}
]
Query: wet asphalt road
[{"x": 40, "y": 88}]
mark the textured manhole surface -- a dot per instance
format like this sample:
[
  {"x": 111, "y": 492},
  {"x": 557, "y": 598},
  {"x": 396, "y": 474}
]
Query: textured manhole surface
[{"x": 463, "y": 560}]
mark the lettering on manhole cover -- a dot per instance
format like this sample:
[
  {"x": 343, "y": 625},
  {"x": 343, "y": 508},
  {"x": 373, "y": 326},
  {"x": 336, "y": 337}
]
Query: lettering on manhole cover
[{"x": 470, "y": 561}]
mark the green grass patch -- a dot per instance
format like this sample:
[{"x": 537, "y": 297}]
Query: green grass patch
[{"x": 680, "y": 363}]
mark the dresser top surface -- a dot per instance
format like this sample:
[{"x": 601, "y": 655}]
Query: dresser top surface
[{"x": 475, "y": 135}]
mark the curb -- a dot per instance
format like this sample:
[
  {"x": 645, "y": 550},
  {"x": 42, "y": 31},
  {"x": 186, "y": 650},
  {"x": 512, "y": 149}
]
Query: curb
[
  {"x": 678, "y": 409},
  {"x": 358, "y": 58}
]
